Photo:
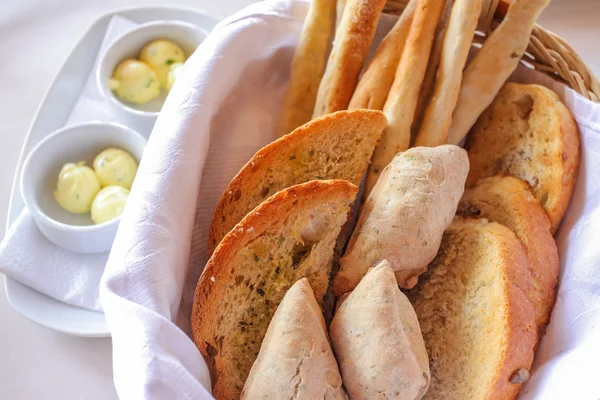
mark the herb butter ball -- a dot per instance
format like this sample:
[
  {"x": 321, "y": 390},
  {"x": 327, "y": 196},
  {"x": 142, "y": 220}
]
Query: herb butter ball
[
  {"x": 115, "y": 167},
  {"x": 135, "y": 82},
  {"x": 160, "y": 55},
  {"x": 109, "y": 203},
  {"x": 76, "y": 188}
]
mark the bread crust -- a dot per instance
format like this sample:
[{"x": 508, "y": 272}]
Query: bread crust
[
  {"x": 440, "y": 322},
  {"x": 528, "y": 133},
  {"x": 308, "y": 66},
  {"x": 375, "y": 83},
  {"x": 219, "y": 274},
  {"x": 401, "y": 103},
  {"x": 351, "y": 45},
  {"x": 330, "y": 130},
  {"x": 493, "y": 64},
  {"x": 295, "y": 359},
  {"x": 508, "y": 200}
]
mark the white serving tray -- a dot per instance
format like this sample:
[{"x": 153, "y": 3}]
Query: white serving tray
[{"x": 52, "y": 114}]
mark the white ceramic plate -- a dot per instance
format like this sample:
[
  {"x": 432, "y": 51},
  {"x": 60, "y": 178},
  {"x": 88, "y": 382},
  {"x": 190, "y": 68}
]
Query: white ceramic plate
[{"x": 52, "y": 115}]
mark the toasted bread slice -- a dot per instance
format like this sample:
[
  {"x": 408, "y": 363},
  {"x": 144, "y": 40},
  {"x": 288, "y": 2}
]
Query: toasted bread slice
[
  {"x": 289, "y": 236},
  {"x": 508, "y": 200},
  {"x": 377, "y": 340},
  {"x": 335, "y": 146},
  {"x": 295, "y": 359},
  {"x": 528, "y": 133},
  {"x": 475, "y": 314}
]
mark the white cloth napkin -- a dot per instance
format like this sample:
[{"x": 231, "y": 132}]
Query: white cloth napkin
[
  {"x": 27, "y": 256},
  {"x": 221, "y": 110}
]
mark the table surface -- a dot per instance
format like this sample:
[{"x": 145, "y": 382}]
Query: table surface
[{"x": 36, "y": 362}]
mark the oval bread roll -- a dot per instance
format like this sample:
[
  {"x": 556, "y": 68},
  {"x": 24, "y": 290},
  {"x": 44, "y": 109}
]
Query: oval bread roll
[
  {"x": 295, "y": 359},
  {"x": 404, "y": 218},
  {"x": 378, "y": 342}
]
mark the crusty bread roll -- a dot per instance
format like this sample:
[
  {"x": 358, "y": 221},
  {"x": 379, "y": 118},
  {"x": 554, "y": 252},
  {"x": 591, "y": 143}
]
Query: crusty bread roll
[
  {"x": 405, "y": 215},
  {"x": 295, "y": 358},
  {"x": 335, "y": 146},
  {"x": 475, "y": 313},
  {"x": 308, "y": 65},
  {"x": 375, "y": 83},
  {"x": 455, "y": 49},
  {"x": 508, "y": 200},
  {"x": 529, "y": 133},
  {"x": 493, "y": 64},
  {"x": 378, "y": 342},
  {"x": 289, "y": 236},
  {"x": 401, "y": 103},
  {"x": 351, "y": 45}
]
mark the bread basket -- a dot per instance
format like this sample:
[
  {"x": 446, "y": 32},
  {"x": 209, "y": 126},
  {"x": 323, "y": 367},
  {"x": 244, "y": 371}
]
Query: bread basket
[{"x": 547, "y": 52}]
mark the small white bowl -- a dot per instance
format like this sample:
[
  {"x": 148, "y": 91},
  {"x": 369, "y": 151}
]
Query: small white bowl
[
  {"x": 129, "y": 46},
  {"x": 75, "y": 232}
]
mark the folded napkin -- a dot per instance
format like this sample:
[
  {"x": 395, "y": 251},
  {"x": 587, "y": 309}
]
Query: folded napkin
[
  {"x": 222, "y": 109},
  {"x": 27, "y": 256}
]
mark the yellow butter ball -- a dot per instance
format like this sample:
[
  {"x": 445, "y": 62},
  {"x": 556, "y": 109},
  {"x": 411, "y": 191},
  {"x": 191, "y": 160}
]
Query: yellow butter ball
[
  {"x": 76, "y": 188},
  {"x": 109, "y": 203},
  {"x": 160, "y": 55},
  {"x": 135, "y": 82},
  {"x": 173, "y": 73},
  {"x": 115, "y": 167}
]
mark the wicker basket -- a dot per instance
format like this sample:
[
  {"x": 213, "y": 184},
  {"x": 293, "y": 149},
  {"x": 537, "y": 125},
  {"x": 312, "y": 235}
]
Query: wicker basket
[{"x": 546, "y": 52}]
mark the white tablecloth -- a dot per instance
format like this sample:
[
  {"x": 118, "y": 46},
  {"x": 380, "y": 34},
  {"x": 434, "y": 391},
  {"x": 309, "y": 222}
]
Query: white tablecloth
[{"x": 37, "y": 36}]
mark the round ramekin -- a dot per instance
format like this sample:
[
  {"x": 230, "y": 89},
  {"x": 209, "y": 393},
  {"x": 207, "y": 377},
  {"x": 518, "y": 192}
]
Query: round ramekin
[
  {"x": 128, "y": 46},
  {"x": 75, "y": 232}
]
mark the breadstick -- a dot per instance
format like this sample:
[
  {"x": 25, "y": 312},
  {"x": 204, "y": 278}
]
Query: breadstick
[
  {"x": 455, "y": 50},
  {"x": 308, "y": 65},
  {"x": 375, "y": 83},
  {"x": 352, "y": 41},
  {"x": 432, "y": 66},
  {"x": 339, "y": 11},
  {"x": 402, "y": 101},
  {"x": 493, "y": 64}
]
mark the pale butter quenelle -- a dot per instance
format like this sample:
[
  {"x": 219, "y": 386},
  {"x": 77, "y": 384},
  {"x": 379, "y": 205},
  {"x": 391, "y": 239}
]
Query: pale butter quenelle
[
  {"x": 140, "y": 81},
  {"x": 103, "y": 191}
]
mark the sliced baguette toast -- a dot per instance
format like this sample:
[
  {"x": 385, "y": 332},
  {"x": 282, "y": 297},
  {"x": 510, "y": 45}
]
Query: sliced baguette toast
[
  {"x": 528, "y": 133},
  {"x": 295, "y": 359},
  {"x": 475, "y": 314},
  {"x": 289, "y": 236},
  {"x": 335, "y": 146},
  {"x": 508, "y": 200},
  {"x": 377, "y": 340}
]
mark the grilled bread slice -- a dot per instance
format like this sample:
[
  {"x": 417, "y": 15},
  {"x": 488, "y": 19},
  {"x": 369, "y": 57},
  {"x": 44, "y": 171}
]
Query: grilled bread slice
[
  {"x": 295, "y": 359},
  {"x": 335, "y": 146},
  {"x": 377, "y": 340},
  {"x": 475, "y": 314},
  {"x": 289, "y": 236},
  {"x": 508, "y": 200},
  {"x": 528, "y": 133}
]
